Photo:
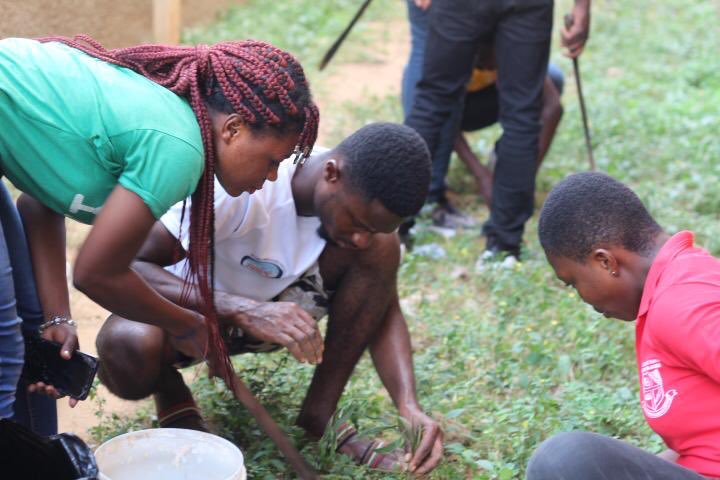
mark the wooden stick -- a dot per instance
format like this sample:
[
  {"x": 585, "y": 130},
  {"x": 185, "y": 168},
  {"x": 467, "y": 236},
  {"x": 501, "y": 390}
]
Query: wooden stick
[
  {"x": 576, "y": 69},
  {"x": 586, "y": 127},
  {"x": 167, "y": 20},
  {"x": 268, "y": 425},
  {"x": 335, "y": 46}
]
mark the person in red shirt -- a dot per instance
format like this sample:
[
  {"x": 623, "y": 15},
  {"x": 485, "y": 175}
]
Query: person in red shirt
[{"x": 600, "y": 239}]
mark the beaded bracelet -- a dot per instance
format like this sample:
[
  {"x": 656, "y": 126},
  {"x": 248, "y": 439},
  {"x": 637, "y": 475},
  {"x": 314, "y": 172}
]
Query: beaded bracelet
[{"x": 57, "y": 320}]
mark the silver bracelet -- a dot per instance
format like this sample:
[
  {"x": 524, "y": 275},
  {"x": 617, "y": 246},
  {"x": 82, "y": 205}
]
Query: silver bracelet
[{"x": 57, "y": 320}]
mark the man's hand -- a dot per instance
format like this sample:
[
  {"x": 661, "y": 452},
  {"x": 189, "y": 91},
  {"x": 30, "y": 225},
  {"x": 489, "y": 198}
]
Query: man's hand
[
  {"x": 286, "y": 324},
  {"x": 429, "y": 453},
  {"x": 66, "y": 335},
  {"x": 576, "y": 30},
  {"x": 423, "y": 4}
]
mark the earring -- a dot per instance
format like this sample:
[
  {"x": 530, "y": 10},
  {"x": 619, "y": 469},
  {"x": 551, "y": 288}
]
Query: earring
[
  {"x": 300, "y": 155},
  {"x": 614, "y": 273}
]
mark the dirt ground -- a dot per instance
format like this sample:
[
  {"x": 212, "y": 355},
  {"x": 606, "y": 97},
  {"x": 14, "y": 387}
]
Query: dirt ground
[{"x": 379, "y": 78}]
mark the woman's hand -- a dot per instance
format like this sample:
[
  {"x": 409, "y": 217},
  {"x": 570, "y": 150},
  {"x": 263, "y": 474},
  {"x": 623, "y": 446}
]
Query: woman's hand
[{"x": 66, "y": 335}]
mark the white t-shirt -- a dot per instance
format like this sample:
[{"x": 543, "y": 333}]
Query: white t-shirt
[{"x": 261, "y": 244}]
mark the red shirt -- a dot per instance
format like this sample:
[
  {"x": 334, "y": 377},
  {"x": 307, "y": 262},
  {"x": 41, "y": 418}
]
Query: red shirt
[{"x": 678, "y": 352}]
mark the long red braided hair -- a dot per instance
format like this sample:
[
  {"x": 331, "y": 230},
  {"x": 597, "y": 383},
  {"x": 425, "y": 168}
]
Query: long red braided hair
[{"x": 264, "y": 85}]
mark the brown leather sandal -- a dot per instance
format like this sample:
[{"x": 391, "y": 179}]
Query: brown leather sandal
[{"x": 346, "y": 434}]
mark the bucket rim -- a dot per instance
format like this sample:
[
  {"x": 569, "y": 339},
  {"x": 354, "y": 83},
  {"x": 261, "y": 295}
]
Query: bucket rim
[{"x": 240, "y": 472}]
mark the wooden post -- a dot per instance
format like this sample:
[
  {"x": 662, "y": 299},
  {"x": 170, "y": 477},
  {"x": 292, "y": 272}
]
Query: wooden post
[{"x": 167, "y": 20}]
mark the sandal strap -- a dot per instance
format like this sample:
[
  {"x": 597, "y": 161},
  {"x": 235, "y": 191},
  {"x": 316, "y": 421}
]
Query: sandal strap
[
  {"x": 376, "y": 457},
  {"x": 343, "y": 433},
  {"x": 178, "y": 411},
  {"x": 371, "y": 457}
]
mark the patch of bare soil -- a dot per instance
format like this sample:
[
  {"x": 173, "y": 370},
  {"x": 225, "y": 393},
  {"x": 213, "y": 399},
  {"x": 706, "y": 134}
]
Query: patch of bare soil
[{"x": 379, "y": 75}]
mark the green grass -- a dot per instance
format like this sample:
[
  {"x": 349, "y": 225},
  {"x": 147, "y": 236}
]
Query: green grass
[
  {"x": 505, "y": 359},
  {"x": 305, "y": 28}
]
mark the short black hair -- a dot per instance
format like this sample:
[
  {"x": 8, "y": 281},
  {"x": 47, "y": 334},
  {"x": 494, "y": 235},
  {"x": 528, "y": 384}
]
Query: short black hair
[
  {"x": 589, "y": 210},
  {"x": 389, "y": 162}
]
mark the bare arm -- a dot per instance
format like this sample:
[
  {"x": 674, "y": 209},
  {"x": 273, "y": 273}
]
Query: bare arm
[
  {"x": 157, "y": 252},
  {"x": 283, "y": 323},
  {"x": 102, "y": 271},
  {"x": 482, "y": 174},
  {"x": 45, "y": 231},
  {"x": 552, "y": 112},
  {"x": 392, "y": 355}
]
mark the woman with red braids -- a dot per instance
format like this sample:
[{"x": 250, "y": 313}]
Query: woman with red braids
[{"x": 114, "y": 138}]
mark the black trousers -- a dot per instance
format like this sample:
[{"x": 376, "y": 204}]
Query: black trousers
[{"x": 520, "y": 31}]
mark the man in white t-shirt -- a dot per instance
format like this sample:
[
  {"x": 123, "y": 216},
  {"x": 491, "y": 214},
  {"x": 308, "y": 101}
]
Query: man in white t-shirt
[{"x": 320, "y": 239}]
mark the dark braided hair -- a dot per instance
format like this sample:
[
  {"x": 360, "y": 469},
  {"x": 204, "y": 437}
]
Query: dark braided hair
[{"x": 264, "y": 85}]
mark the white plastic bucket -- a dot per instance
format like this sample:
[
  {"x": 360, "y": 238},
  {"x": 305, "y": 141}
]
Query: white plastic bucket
[{"x": 169, "y": 454}]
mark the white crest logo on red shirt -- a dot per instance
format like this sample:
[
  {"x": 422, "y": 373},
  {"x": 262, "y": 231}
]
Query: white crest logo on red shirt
[{"x": 655, "y": 400}]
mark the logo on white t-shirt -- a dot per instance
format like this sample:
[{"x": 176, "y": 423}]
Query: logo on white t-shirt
[
  {"x": 266, "y": 268},
  {"x": 655, "y": 400}
]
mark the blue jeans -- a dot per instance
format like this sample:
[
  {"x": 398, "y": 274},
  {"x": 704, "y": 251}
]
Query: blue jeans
[
  {"x": 20, "y": 312},
  {"x": 556, "y": 76},
  {"x": 411, "y": 76}
]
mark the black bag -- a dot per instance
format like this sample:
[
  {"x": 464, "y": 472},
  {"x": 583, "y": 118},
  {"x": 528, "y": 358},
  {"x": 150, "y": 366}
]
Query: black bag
[{"x": 28, "y": 456}]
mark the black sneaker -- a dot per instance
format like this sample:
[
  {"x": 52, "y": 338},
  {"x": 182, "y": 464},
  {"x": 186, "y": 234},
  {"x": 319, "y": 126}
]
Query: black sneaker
[{"x": 445, "y": 215}]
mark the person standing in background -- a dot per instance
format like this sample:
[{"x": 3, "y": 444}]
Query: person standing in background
[
  {"x": 443, "y": 213},
  {"x": 520, "y": 32}
]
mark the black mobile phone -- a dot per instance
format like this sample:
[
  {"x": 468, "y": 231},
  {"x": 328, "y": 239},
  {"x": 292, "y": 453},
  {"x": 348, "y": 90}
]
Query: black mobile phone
[{"x": 43, "y": 363}]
